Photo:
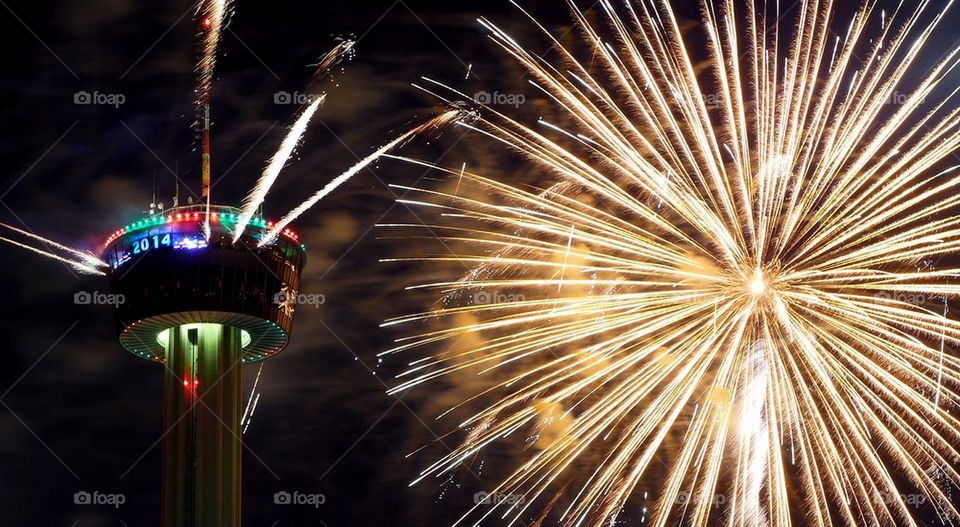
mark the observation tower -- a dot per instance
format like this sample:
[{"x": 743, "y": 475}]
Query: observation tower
[
  {"x": 202, "y": 305},
  {"x": 202, "y": 290}
]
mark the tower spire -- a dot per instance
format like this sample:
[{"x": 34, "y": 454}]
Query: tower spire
[
  {"x": 210, "y": 16},
  {"x": 205, "y": 193}
]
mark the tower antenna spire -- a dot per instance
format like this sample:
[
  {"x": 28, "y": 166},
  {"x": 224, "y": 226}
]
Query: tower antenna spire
[
  {"x": 205, "y": 193},
  {"x": 211, "y": 16},
  {"x": 176, "y": 185},
  {"x": 153, "y": 199}
]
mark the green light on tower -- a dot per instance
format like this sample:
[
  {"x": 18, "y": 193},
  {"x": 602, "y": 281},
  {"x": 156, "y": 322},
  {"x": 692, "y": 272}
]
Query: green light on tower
[{"x": 201, "y": 448}]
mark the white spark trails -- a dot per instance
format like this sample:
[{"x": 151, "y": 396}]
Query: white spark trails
[
  {"x": 212, "y": 14},
  {"x": 274, "y": 166},
  {"x": 79, "y": 266},
  {"x": 206, "y": 220},
  {"x": 790, "y": 206},
  {"x": 333, "y": 57},
  {"x": 437, "y": 121},
  {"x": 91, "y": 259},
  {"x": 251, "y": 407},
  {"x": 754, "y": 437},
  {"x": 271, "y": 172}
]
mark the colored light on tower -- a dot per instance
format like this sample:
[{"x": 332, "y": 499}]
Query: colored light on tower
[{"x": 196, "y": 219}]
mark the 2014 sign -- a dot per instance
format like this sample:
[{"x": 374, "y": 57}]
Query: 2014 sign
[{"x": 151, "y": 242}]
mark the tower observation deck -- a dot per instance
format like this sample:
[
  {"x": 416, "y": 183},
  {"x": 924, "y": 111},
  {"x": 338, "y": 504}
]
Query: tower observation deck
[{"x": 202, "y": 306}]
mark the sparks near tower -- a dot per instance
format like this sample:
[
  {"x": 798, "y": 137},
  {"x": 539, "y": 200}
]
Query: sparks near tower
[
  {"x": 711, "y": 281},
  {"x": 206, "y": 288}
]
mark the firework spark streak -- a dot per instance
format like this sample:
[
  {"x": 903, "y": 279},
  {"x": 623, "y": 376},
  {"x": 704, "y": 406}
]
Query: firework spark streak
[
  {"x": 294, "y": 136},
  {"x": 79, "y": 266},
  {"x": 754, "y": 437},
  {"x": 91, "y": 259},
  {"x": 793, "y": 206},
  {"x": 211, "y": 14},
  {"x": 274, "y": 166},
  {"x": 251, "y": 407},
  {"x": 341, "y": 51},
  {"x": 438, "y": 121}
]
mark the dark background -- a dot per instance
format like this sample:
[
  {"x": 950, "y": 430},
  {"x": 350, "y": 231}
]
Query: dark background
[{"x": 77, "y": 413}]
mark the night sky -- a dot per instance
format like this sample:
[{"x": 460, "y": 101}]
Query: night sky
[{"x": 77, "y": 412}]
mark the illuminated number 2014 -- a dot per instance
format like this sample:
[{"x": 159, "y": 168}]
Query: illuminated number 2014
[{"x": 154, "y": 242}]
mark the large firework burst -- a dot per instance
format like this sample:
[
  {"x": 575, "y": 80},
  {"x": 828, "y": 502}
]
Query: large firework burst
[{"x": 744, "y": 270}]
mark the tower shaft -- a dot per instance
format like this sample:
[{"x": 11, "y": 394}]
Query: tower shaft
[{"x": 202, "y": 409}]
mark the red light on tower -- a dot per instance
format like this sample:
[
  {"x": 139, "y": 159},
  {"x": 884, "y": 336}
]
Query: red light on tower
[{"x": 206, "y": 22}]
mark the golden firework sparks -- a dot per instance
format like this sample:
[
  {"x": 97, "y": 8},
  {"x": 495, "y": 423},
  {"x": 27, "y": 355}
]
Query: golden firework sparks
[{"x": 726, "y": 268}]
